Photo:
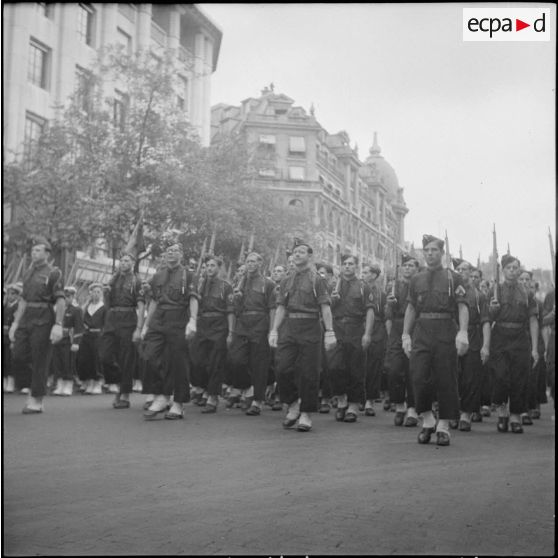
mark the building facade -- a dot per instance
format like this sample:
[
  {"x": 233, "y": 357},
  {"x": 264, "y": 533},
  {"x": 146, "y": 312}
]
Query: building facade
[
  {"x": 48, "y": 47},
  {"x": 356, "y": 207}
]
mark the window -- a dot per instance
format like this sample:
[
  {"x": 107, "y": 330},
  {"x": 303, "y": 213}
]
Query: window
[
  {"x": 84, "y": 87},
  {"x": 267, "y": 172},
  {"x": 38, "y": 64},
  {"x": 267, "y": 139},
  {"x": 296, "y": 173},
  {"x": 297, "y": 144},
  {"x": 85, "y": 23},
  {"x": 47, "y": 9},
  {"x": 296, "y": 203},
  {"x": 34, "y": 127},
  {"x": 119, "y": 109},
  {"x": 125, "y": 40}
]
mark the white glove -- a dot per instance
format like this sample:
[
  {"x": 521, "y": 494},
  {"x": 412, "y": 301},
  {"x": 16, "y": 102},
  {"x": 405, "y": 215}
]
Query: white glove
[
  {"x": 329, "y": 340},
  {"x": 462, "y": 342},
  {"x": 56, "y": 333},
  {"x": 273, "y": 338},
  {"x": 406, "y": 344},
  {"x": 143, "y": 331},
  {"x": 191, "y": 328},
  {"x": 74, "y": 348}
]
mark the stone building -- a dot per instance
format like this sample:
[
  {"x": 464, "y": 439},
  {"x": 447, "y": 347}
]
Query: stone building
[{"x": 356, "y": 206}]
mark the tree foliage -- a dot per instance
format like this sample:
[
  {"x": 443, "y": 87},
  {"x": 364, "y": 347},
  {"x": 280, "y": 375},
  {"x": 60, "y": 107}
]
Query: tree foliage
[{"x": 121, "y": 147}]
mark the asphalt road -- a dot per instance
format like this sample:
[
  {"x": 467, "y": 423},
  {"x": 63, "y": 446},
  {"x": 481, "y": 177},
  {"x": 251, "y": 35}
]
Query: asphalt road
[{"x": 85, "y": 479}]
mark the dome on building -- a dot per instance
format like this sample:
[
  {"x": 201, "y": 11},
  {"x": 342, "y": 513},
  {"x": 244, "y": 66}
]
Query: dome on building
[{"x": 377, "y": 169}]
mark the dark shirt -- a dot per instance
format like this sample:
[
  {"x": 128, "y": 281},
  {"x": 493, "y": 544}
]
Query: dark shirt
[
  {"x": 43, "y": 283},
  {"x": 303, "y": 291},
  {"x": 174, "y": 287},
  {"x": 548, "y": 306},
  {"x": 8, "y": 315},
  {"x": 73, "y": 319},
  {"x": 216, "y": 296},
  {"x": 432, "y": 290},
  {"x": 125, "y": 291},
  {"x": 96, "y": 320},
  {"x": 396, "y": 310},
  {"x": 516, "y": 304},
  {"x": 355, "y": 298},
  {"x": 478, "y": 315},
  {"x": 257, "y": 294}
]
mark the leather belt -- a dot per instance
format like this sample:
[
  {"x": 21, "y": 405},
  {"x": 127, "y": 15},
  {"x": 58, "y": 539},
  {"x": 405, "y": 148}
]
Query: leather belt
[
  {"x": 38, "y": 304},
  {"x": 212, "y": 314},
  {"x": 436, "y": 315},
  {"x": 253, "y": 313},
  {"x": 123, "y": 308},
  {"x": 299, "y": 315},
  {"x": 92, "y": 330},
  {"x": 510, "y": 325},
  {"x": 348, "y": 319}
]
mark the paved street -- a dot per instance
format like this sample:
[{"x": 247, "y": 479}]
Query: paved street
[{"x": 86, "y": 479}]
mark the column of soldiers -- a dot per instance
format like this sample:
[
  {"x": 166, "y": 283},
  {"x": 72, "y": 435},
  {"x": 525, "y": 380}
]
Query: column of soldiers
[{"x": 301, "y": 341}]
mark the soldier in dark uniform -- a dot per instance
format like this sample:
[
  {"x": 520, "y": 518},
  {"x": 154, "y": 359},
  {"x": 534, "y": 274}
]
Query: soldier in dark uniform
[
  {"x": 254, "y": 302},
  {"x": 214, "y": 335},
  {"x": 171, "y": 321},
  {"x": 353, "y": 319},
  {"x": 513, "y": 310},
  {"x": 88, "y": 360},
  {"x": 11, "y": 301},
  {"x": 397, "y": 363},
  {"x": 470, "y": 370},
  {"x": 549, "y": 320},
  {"x": 302, "y": 294},
  {"x": 377, "y": 349},
  {"x": 436, "y": 296},
  {"x": 124, "y": 320},
  {"x": 63, "y": 352},
  {"x": 35, "y": 325},
  {"x": 326, "y": 271}
]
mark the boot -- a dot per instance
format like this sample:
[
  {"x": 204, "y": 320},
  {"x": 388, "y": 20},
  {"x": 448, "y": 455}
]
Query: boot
[
  {"x": 68, "y": 387},
  {"x": 59, "y": 387}
]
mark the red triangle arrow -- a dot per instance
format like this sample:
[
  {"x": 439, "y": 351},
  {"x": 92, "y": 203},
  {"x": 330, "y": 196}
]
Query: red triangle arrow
[{"x": 519, "y": 25}]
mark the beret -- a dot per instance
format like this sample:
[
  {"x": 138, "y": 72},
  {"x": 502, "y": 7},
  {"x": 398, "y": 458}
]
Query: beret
[
  {"x": 408, "y": 258},
  {"x": 299, "y": 242}
]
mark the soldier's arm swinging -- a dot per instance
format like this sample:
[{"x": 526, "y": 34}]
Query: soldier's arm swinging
[
  {"x": 485, "y": 349},
  {"x": 534, "y": 331},
  {"x": 408, "y": 324},
  {"x": 21, "y": 305},
  {"x": 150, "y": 311},
  {"x": 367, "y": 337},
  {"x": 462, "y": 338},
  {"x": 279, "y": 317}
]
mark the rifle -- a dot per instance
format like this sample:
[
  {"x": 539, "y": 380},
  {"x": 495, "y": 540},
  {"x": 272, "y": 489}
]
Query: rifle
[
  {"x": 496, "y": 266},
  {"x": 212, "y": 243},
  {"x": 552, "y": 256},
  {"x": 395, "y": 275},
  {"x": 448, "y": 265},
  {"x": 202, "y": 254}
]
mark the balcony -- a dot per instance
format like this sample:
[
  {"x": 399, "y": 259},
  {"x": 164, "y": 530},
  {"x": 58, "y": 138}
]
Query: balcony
[
  {"x": 128, "y": 11},
  {"x": 184, "y": 55},
  {"x": 158, "y": 35}
]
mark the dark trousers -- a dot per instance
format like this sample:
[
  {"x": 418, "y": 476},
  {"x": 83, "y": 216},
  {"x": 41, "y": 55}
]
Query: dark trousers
[
  {"x": 145, "y": 370},
  {"x": 166, "y": 351},
  {"x": 397, "y": 366},
  {"x": 209, "y": 364},
  {"x": 88, "y": 358},
  {"x": 325, "y": 375},
  {"x": 6, "y": 357},
  {"x": 375, "y": 361},
  {"x": 346, "y": 369},
  {"x": 469, "y": 379},
  {"x": 118, "y": 357},
  {"x": 32, "y": 346},
  {"x": 61, "y": 365},
  {"x": 550, "y": 365},
  {"x": 486, "y": 385},
  {"x": 510, "y": 362},
  {"x": 253, "y": 358},
  {"x": 433, "y": 366},
  {"x": 298, "y": 362}
]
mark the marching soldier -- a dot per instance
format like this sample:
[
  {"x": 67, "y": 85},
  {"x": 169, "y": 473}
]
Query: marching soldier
[
  {"x": 397, "y": 363},
  {"x": 470, "y": 365},
  {"x": 302, "y": 294},
  {"x": 549, "y": 320},
  {"x": 255, "y": 310},
  {"x": 11, "y": 302},
  {"x": 514, "y": 311},
  {"x": 377, "y": 348},
  {"x": 171, "y": 321},
  {"x": 436, "y": 295},
  {"x": 214, "y": 335},
  {"x": 353, "y": 318},
  {"x": 68, "y": 346},
  {"x": 124, "y": 320},
  {"x": 35, "y": 325}
]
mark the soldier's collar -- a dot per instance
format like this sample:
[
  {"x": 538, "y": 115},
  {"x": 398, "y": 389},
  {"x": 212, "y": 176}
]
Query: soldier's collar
[
  {"x": 303, "y": 270},
  {"x": 38, "y": 265},
  {"x": 435, "y": 268}
]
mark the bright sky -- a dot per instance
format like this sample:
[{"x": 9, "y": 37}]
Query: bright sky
[{"x": 469, "y": 127}]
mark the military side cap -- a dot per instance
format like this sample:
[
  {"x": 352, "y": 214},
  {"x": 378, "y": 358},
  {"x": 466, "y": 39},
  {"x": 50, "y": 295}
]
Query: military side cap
[
  {"x": 408, "y": 258},
  {"x": 299, "y": 242},
  {"x": 508, "y": 258},
  {"x": 44, "y": 242},
  {"x": 326, "y": 266},
  {"x": 174, "y": 244},
  {"x": 70, "y": 289},
  {"x": 375, "y": 269},
  {"x": 95, "y": 285},
  {"x": 16, "y": 287},
  {"x": 428, "y": 238},
  {"x": 456, "y": 262}
]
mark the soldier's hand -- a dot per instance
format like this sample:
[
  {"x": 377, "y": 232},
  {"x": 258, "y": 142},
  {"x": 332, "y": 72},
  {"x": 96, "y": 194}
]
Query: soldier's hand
[
  {"x": 484, "y": 354},
  {"x": 391, "y": 299},
  {"x": 74, "y": 348},
  {"x": 191, "y": 328},
  {"x": 11, "y": 332},
  {"x": 229, "y": 340},
  {"x": 461, "y": 342},
  {"x": 136, "y": 336},
  {"x": 535, "y": 357},
  {"x": 56, "y": 333},
  {"x": 143, "y": 332},
  {"x": 329, "y": 340},
  {"x": 366, "y": 340},
  {"x": 406, "y": 344},
  {"x": 494, "y": 304},
  {"x": 272, "y": 338}
]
